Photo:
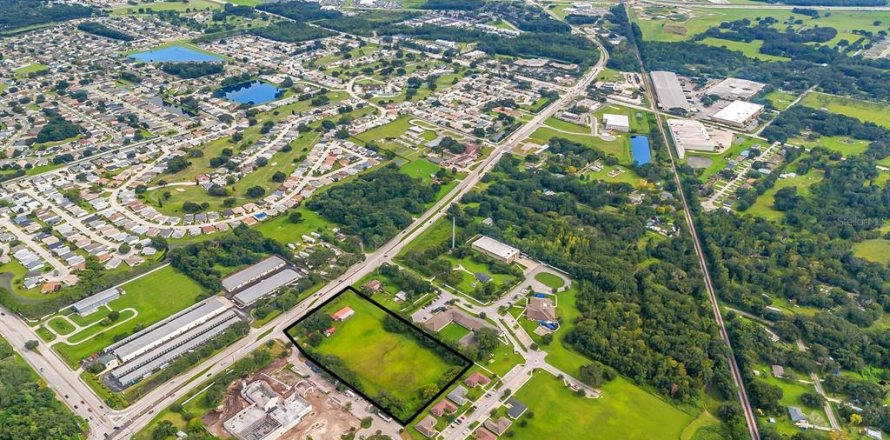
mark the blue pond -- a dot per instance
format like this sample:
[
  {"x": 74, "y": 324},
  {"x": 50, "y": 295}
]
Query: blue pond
[
  {"x": 639, "y": 147},
  {"x": 179, "y": 54},
  {"x": 253, "y": 93}
]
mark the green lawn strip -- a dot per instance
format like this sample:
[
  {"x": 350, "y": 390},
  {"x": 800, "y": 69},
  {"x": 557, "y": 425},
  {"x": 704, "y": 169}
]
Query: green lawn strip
[
  {"x": 876, "y": 250},
  {"x": 624, "y": 411},
  {"x": 153, "y": 298},
  {"x": 550, "y": 280},
  {"x": 559, "y": 124},
  {"x": 45, "y": 334}
]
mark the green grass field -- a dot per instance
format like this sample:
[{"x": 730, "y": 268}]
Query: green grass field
[
  {"x": 193, "y": 5},
  {"x": 282, "y": 230},
  {"x": 452, "y": 332},
  {"x": 763, "y": 207},
  {"x": 22, "y": 72},
  {"x": 395, "y": 363},
  {"x": 679, "y": 24},
  {"x": 781, "y": 100},
  {"x": 877, "y": 250},
  {"x": 624, "y": 411},
  {"x": 719, "y": 161},
  {"x": 420, "y": 169},
  {"x": 154, "y": 296},
  {"x": 550, "y": 280},
  {"x": 751, "y": 49},
  {"x": 863, "y": 110},
  {"x": 618, "y": 148},
  {"x": 842, "y": 144}
]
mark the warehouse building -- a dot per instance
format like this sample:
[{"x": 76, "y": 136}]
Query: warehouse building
[
  {"x": 252, "y": 273},
  {"x": 669, "y": 91},
  {"x": 496, "y": 249},
  {"x": 168, "y": 329},
  {"x": 735, "y": 88},
  {"x": 149, "y": 362},
  {"x": 91, "y": 304},
  {"x": 265, "y": 287},
  {"x": 738, "y": 114},
  {"x": 616, "y": 122},
  {"x": 689, "y": 134}
]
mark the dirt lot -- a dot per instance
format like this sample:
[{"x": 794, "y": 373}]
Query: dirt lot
[{"x": 327, "y": 420}]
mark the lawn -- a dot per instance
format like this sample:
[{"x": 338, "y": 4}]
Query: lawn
[
  {"x": 382, "y": 361},
  {"x": 763, "y": 207},
  {"x": 751, "y": 49},
  {"x": 624, "y": 411},
  {"x": 856, "y": 108},
  {"x": 618, "y": 148},
  {"x": 627, "y": 176},
  {"x": 550, "y": 280},
  {"x": 452, "y": 332},
  {"x": 560, "y": 354},
  {"x": 22, "y": 72},
  {"x": 178, "y": 6},
  {"x": 877, "y": 250},
  {"x": 420, "y": 169},
  {"x": 841, "y": 144},
  {"x": 781, "y": 100},
  {"x": 572, "y": 127},
  {"x": 61, "y": 326},
  {"x": 719, "y": 161},
  {"x": 282, "y": 230},
  {"x": 154, "y": 296}
]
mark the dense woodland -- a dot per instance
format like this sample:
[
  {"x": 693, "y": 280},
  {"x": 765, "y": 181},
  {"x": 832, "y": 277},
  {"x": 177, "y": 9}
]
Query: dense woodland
[
  {"x": 101, "y": 30},
  {"x": 22, "y": 13},
  {"x": 201, "y": 261},
  {"x": 28, "y": 409},
  {"x": 56, "y": 128},
  {"x": 375, "y": 206},
  {"x": 291, "y": 32},
  {"x": 192, "y": 70}
]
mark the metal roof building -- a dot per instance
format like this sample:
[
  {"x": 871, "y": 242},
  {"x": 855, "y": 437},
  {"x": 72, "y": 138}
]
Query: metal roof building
[
  {"x": 168, "y": 329},
  {"x": 252, "y": 273},
  {"x": 138, "y": 368},
  {"x": 249, "y": 295},
  {"x": 90, "y": 304},
  {"x": 669, "y": 91},
  {"x": 496, "y": 249},
  {"x": 735, "y": 88}
]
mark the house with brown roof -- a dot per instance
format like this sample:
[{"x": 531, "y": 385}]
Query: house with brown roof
[
  {"x": 427, "y": 426},
  {"x": 498, "y": 426},
  {"x": 442, "y": 408},
  {"x": 477, "y": 379},
  {"x": 484, "y": 434},
  {"x": 540, "y": 309}
]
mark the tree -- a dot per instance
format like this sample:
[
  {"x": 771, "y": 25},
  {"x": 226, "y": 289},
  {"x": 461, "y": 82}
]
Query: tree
[
  {"x": 295, "y": 217},
  {"x": 113, "y": 315},
  {"x": 31, "y": 345},
  {"x": 255, "y": 192},
  {"x": 124, "y": 248}
]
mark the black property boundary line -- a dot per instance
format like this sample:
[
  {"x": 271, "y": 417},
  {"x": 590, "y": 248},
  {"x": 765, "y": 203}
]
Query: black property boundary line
[{"x": 468, "y": 361}]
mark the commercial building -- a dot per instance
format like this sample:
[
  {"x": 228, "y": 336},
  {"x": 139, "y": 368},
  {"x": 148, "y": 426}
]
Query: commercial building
[
  {"x": 252, "y": 273},
  {"x": 168, "y": 329},
  {"x": 735, "y": 88},
  {"x": 90, "y": 304},
  {"x": 268, "y": 416},
  {"x": 265, "y": 287},
  {"x": 669, "y": 91},
  {"x": 162, "y": 355},
  {"x": 496, "y": 249},
  {"x": 692, "y": 135},
  {"x": 616, "y": 122},
  {"x": 738, "y": 113}
]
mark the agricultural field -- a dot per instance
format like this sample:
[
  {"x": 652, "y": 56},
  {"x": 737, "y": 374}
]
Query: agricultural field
[
  {"x": 856, "y": 108},
  {"x": 624, "y": 411},
  {"x": 146, "y": 301},
  {"x": 393, "y": 367}
]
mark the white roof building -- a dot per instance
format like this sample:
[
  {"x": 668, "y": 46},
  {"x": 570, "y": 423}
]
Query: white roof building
[
  {"x": 496, "y": 249},
  {"x": 738, "y": 113},
  {"x": 690, "y": 134},
  {"x": 616, "y": 122}
]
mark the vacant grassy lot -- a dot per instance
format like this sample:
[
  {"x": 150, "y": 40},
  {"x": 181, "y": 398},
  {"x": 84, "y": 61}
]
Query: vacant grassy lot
[
  {"x": 395, "y": 363},
  {"x": 877, "y": 250},
  {"x": 763, "y": 207},
  {"x": 751, "y": 49},
  {"x": 618, "y": 148},
  {"x": 22, "y": 72},
  {"x": 781, "y": 100},
  {"x": 154, "y": 297},
  {"x": 420, "y": 169},
  {"x": 856, "y": 108},
  {"x": 624, "y": 411},
  {"x": 281, "y": 229}
]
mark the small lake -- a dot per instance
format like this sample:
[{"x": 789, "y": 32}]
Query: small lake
[
  {"x": 180, "y": 54},
  {"x": 253, "y": 93},
  {"x": 639, "y": 147}
]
